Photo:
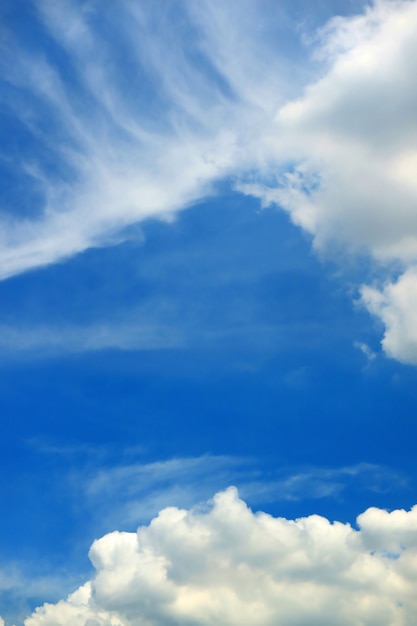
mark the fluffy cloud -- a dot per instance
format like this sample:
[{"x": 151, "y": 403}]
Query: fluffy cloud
[
  {"x": 352, "y": 140},
  {"x": 352, "y": 136},
  {"x": 396, "y": 306},
  {"x": 223, "y": 564}
]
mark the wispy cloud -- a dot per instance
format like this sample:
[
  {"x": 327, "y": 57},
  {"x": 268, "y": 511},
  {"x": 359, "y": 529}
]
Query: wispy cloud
[
  {"x": 121, "y": 165},
  {"x": 131, "y": 493},
  {"x": 320, "y": 482},
  {"x": 48, "y": 340}
]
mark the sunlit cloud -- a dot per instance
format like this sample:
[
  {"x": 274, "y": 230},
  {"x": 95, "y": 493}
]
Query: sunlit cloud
[{"x": 221, "y": 563}]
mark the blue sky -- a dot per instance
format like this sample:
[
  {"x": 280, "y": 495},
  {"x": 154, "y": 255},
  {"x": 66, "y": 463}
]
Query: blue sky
[{"x": 208, "y": 263}]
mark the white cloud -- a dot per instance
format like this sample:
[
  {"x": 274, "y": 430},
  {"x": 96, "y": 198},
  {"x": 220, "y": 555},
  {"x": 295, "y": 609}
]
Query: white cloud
[
  {"x": 132, "y": 493},
  {"x": 223, "y": 564},
  {"x": 350, "y": 136},
  {"x": 122, "y": 163},
  {"x": 396, "y": 306}
]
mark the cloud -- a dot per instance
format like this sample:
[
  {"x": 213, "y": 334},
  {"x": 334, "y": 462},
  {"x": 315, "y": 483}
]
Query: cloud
[
  {"x": 130, "y": 334},
  {"x": 351, "y": 138},
  {"x": 352, "y": 135},
  {"x": 111, "y": 490},
  {"x": 132, "y": 493},
  {"x": 22, "y": 586},
  {"x": 140, "y": 124},
  {"x": 129, "y": 140},
  {"x": 223, "y": 564},
  {"x": 396, "y": 304},
  {"x": 322, "y": 482},
  {"x": 145, "y": 123},
  {"x": 366, "y": 350}
]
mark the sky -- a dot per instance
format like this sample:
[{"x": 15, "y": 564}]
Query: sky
[{"x": 208, "y": 329}]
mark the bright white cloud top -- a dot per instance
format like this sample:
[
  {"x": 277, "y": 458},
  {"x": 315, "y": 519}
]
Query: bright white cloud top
[
  {"x": 223, "y": 564},
  {"x": 396, "y": 306},
  {"x": 199, "y": 107},
  {"x": 353, "y": 137}
]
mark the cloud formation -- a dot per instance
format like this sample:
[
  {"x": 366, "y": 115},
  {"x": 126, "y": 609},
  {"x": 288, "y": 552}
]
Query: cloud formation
[
  {"x": 128, "y": 141},
  {"x": 223, "y": 564},
  {"x": 192, "y": 107},
  {"x": 395, "y": 304},
  {"x": 352, "y": 139},
  {"x": 352, "y": 136},
  {"x": 126, "y": 495}
]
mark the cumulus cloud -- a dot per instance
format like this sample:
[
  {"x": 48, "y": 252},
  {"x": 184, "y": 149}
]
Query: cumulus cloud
[
  {"x": 221, "y": 563},
  {"x": 352, "y": 140},
  {"x": 352, "y": 136},
  {"x": 396, "y": 305}
]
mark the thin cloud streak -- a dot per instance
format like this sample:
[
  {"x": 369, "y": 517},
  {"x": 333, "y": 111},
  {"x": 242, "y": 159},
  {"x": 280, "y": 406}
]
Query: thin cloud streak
[
  {"x": 132, "y": 493},
  {"x": 49, "y": 340}
]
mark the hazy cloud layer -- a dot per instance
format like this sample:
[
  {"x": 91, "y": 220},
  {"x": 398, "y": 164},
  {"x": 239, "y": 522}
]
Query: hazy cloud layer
[
  {"x": 223, "y": 564},
  {"x": 133, "y": 334}
]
